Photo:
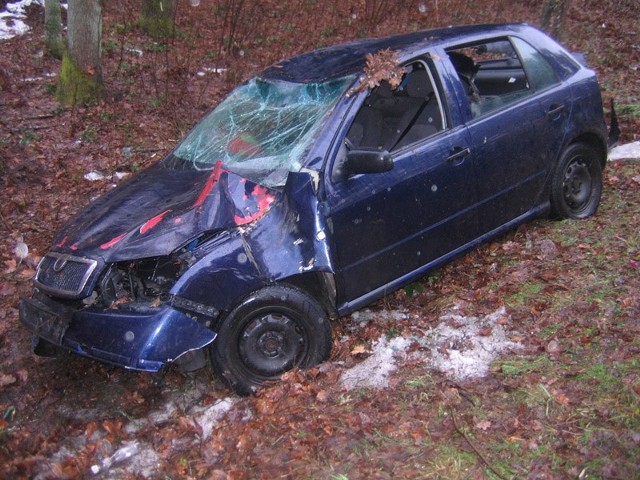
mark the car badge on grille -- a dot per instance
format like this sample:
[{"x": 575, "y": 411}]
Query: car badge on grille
[{"x": 60, "y": 262}]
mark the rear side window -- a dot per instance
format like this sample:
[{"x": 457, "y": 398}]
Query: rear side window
[
  {"x": 491, "y": 73},
  {"x": 539, "y": 71}
]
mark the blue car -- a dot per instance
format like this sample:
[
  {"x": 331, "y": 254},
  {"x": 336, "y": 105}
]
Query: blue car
[{"x": 324, "y": 183}]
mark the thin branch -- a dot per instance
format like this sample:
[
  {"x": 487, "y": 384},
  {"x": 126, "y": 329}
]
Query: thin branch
[{"x": 473, "y": 447}]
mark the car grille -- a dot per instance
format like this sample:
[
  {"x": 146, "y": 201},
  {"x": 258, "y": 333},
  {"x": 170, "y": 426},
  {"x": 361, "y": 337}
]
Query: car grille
[{"x": 64, "y": 274}]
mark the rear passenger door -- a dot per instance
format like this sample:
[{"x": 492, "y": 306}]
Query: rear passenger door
[
  {"x": 505, "y": 138},
  {"x": 554, "y": 102}
]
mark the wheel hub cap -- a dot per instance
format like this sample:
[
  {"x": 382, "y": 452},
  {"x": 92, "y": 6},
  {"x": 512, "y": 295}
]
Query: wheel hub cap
[
  {"x": 577, "y": 184},
  {"x": 271, "y": 344}
]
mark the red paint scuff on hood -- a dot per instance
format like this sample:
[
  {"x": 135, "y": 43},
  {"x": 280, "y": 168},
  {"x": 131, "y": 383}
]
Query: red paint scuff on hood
[
  {"x": 63, "y": 241},
  {"x": 112, "y": 242},
  {"x": 152, "y": 222},
  {"x": 211, "y": 181},
  {"x": 263, "y": 199}
]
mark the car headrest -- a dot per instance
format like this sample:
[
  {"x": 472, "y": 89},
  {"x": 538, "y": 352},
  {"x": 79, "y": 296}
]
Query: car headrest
[
  {"x": 418, "y": 84},
  {"x": 464, "y": 65}
]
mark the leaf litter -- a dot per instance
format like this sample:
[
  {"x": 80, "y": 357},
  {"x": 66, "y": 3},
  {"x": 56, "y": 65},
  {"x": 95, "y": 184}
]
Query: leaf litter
[{"x": 569, "y": 408}]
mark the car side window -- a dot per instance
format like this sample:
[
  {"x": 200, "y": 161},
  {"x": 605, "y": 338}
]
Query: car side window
[
  {"x": 492, "y": 74},
  {"x": 539, "y": 71},
  {"x": 391, "y": 119}
]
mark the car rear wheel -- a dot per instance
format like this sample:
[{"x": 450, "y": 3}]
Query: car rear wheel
[
  {"x": 273, "y": 330},
  {"x": 577, "y": 183}
]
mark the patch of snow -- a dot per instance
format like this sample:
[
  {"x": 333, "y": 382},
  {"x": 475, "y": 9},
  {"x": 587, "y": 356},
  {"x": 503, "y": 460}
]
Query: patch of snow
[
  {"x": 375, "y": 370},
  {"x": 208, "y": 417},
  {"x": 629, "y": 150},
  {"x": 464, "y": 347},
  {"x": 145, "y": 463},
  {"x": 216, "y": 70},
  {"x": 461, "y": 347},
  {"x": 94, "y": 176},
  {"x": 137, "y": 458},
  {"x": 11, "y": 20},
  {"x": 37, "y": 79},
  {"x": 134, "y": 51}
]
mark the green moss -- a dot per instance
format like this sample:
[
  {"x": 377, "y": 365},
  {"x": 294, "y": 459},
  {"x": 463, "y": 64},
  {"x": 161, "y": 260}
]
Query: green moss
[
  {"x": 74, "y": 86},
  {"x": 156, "y": 27},
  {"x": 53, "y": 31},
  {"x": 55, "y": 48},
  {"x": 157, "y": 18}
]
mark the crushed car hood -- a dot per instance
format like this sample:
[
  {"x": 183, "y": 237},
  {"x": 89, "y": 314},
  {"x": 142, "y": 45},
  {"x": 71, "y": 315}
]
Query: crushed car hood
[{"x": 161, "y": 210}]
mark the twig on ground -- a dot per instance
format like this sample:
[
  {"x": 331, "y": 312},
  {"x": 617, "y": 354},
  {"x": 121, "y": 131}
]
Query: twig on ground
[{"x": 473, "y": 446}]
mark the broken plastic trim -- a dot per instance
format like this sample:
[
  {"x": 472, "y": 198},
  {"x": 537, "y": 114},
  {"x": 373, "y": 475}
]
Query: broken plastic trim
[
  {"x": 191, "y": 306},
  {"x": 262, "y": 129}
]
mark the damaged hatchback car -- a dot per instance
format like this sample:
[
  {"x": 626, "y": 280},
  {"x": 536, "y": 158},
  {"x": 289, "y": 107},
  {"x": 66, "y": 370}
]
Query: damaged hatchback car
[{"x": 319, "y": 186}]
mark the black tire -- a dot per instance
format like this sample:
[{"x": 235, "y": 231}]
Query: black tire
[
  {"x": 577, "y": 183},
  {"x": 273, "y": 330}
]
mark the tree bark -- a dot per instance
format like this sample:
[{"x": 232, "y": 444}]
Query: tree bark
[
  {"x": 157, "y": 17},
  {"x": 53, "y": 28},
  {"x": 553, "y": 17},
  {"x": 80, "y": 79}
]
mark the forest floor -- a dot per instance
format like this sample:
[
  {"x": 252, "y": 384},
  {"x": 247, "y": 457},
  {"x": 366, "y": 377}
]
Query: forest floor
[{"x": 518, "y": 360}]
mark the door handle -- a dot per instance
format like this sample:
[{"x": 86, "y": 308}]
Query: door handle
[
  {"x": 457, "y": 155},
  {"x": 554, "y": 110}
]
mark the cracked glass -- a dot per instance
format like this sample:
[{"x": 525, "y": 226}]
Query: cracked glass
[{"x": 263, "y": 129}]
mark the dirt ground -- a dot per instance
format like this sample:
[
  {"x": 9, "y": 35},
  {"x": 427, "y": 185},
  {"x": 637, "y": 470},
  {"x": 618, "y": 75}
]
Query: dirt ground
[{"x": 541, "y": 326}]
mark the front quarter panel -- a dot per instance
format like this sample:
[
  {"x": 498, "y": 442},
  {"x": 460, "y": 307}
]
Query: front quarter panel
[{"x": 290, "y": 240}]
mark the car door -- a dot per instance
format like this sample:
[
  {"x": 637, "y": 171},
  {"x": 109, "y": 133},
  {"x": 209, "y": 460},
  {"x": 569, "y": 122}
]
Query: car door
[
  {"x": 506, "y": 138},
  {"x": 386, "y": 226},
  {"x": 554, "y": 102}
]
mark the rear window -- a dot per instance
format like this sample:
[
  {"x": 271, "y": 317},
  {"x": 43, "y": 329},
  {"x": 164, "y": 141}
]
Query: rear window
[{"x": 539, "y": 71}]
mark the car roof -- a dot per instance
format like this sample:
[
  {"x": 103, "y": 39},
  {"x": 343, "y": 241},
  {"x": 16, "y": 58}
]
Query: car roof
[{"x": 350, "y": 58}]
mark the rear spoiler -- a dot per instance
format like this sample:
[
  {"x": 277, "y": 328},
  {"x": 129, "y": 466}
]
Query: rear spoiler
[{"x": 614, "y": 128}]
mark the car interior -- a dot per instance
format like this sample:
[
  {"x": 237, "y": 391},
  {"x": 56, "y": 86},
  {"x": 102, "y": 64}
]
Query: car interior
[
  {"x": 392, "y": 119},
  {"x": 492, "y": 73}
]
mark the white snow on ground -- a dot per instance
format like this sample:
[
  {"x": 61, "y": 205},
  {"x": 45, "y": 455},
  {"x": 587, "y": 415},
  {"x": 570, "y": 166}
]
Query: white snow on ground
[
  {"x": 208, "y": 417},
  {"x": 146, "y": 460},
  {"x": 461, "y": 347},
  {"x": 375, "y": 370},
  {"x": 143, "y": 461},
  {"x": 464, "y": 347},
  {"x": 629, "y": 150},
  {"x": 11, "y": 20}
]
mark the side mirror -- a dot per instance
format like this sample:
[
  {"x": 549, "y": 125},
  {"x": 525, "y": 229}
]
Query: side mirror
[{"x": 365, "y": 160}]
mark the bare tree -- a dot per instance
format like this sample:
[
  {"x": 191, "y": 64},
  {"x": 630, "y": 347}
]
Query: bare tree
[
  {"x": 53, "y": 28},
  {"x": 157, "y": 17},
  {"x": 80, "y": 79},
  {"x": 553, "y": 16}
]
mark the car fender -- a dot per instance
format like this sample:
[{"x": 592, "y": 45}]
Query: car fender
[{"x": 288, "y": 241}]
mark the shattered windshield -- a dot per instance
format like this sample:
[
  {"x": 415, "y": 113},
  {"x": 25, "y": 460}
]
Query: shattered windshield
[{"x": 262, "y": 129}]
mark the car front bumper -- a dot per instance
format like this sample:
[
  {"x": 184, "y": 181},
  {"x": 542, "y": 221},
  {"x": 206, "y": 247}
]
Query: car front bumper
[{"x": 139, "y": 341}]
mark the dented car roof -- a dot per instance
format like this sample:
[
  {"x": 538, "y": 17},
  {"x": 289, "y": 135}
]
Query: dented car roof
[{"x": 350, "y": 58}]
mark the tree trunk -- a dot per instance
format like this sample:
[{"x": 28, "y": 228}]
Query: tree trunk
[
  {"x": 157, "y": 17},
  {"x": 80, "y": 79},
  {"x": 53, "y": 28},
  {"x": 553, "y": 17}
]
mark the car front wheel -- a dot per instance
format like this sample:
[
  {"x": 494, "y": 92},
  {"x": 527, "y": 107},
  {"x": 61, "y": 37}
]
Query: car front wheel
[
  {"x": 273, "y": 330},
  {"x": 577, "y": 183}
]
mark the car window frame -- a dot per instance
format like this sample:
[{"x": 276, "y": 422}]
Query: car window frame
[
  {"x": 526, "y": 65},
  {"x": 439, "y": 97},
  {"x": 435, "y": 76},
  {"x": 468, "y": 115}
]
